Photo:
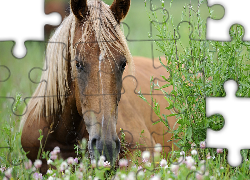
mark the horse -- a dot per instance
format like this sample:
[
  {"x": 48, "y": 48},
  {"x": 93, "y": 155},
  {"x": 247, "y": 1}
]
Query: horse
[{"x": 85, "y": 91}]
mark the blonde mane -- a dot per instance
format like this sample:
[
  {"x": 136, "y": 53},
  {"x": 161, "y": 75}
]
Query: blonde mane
[{"x": 46, "y": 98}]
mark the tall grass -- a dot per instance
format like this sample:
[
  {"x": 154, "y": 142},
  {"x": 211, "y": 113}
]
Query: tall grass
[{"x": 198, "y": 69}]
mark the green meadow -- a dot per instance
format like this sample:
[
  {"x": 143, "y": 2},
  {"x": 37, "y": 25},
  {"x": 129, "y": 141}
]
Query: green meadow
[{"x": 199, "y": 69}]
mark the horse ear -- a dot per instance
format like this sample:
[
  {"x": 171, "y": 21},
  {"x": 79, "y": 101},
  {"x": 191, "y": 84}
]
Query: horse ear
[
  {"x": 79, "y": 8},
  {"x": 120, "y": 9}
]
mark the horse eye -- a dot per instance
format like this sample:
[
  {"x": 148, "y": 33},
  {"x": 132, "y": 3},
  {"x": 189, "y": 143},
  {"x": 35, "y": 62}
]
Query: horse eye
[
  {"x": 123, "y": 65},
  {"x": 79, "y": 65}
]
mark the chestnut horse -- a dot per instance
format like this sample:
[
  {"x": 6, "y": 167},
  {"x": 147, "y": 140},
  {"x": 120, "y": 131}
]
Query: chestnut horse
[{"x": 85, "y": 61}]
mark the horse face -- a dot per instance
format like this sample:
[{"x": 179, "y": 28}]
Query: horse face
[{"x": 99, "y": 68}]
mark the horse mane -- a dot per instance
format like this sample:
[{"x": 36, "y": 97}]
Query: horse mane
[{"x": 49, "y": 96}]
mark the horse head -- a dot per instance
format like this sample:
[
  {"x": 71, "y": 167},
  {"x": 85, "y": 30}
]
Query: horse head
[{"x": 100, "y": 57}]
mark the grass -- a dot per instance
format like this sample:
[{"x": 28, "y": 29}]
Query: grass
[{"x": 198, "y": 69}]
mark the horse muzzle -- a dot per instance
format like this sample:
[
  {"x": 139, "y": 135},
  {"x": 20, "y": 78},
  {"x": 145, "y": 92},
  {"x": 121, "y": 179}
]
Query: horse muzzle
[{"x": 108, "y": 148}]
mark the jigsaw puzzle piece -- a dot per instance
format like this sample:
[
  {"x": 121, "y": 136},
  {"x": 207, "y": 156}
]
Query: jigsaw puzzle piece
[
  {"x": 224, "y": 138},
  {"x": 15, "y": 80},
  {"x": 33, "y": 13},
  {"x": 219, "y": 29}
]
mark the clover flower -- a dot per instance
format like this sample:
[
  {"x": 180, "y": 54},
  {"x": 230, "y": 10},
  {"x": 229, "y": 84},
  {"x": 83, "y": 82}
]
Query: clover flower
[{"x": 38, "y": 163}]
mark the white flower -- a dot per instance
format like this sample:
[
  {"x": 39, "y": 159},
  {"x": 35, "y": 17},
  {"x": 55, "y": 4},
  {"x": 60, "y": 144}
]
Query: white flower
[
  {"x": 123, "y": 176},
  {"x": 28, "y": 164},
  {"x": 123, "y": 162},
  {"x": 193, "y": 168},
  {"x": 203, "y": 168},
  {"x": 79, "y": 175},
  {"x": 38, "y": 163},
  {"x": 63, "y": 166},
  {"x": 155, "y": 177},
  {"x": 182, "y": 153},
  {"x": 56, "y": 149},
  {"x": 96, "y": 178},
  {"x": 70, "y": 160},
  {"x": 49, "y": 171},
  {"x": 146, "y": 155},
  {"x": 67, "y": 171},
  {"x": 93, "y": 163},
  {"x": 8, "y": 173},
  {"x": 102, "y": 158},
  {"x": 49, "y": 161},
  {"x": 140, "y": 173},
  {"x": 158, "y": 147},
  {"x": 148, "y": 164},
  {"x": 131, "y": 176},
  {"x": 51, "y": 178},
  {"x": 194, "y": 152},
  {"x": 163, "y": 163},
  {"x": 106, "y": 164}
]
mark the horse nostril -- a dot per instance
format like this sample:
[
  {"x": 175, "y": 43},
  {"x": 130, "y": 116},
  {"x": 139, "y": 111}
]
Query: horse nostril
[
  {"x": 93, "y": 144},
  {"x": 118, "y": 145}
]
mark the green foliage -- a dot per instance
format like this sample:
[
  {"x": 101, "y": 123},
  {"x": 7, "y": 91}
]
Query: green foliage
[{"x": 198, "y": 69}]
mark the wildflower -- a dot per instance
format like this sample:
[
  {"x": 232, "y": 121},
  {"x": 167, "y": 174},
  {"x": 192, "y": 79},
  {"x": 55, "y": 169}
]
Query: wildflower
[
  {"x": 174, "y": 168},
  {"x": 202, "y": 162},
  {"x": 100, "y": 163},
  {"x": 102, "y": 158},
  {"x": 38, "y": 163},
  {"x": 75, "y": 161},
  {"x": 49, "y": 161},
  {"x": 221, "y": 167},
  {"x": 189, "y": 162},
  {"x": 70, "y": 160},
  {"x": 146, "y": 155},
  {"x": 193, "y": 168},
  {"x": 163, "y": 163},
  {"x": 51, "y": 178},
  {"x": 140, "y": 173},
  {"x": 182, "y": 153},
  {"x": 96, "y": 178},
  {"x": 93, "y": 163},
  {"x": 199, "y": 176},
  {"x": 212, "y": 178},
  {"x": 53, "y": 155},
  {"x": 106, "y": 164},
  {"x": 67, "y": 171},
  {"x": 193, "y": 145},
  {"x": 81, "y": 167},
  {"x": 8, "y": 173},
  {"x": 63, "y": 166},
  {"x": 123, "y": 176},
  {"x": 194, "y": 152},
  {"x": 158, "y": 148},
  {"x": 219, "y": 151},
  {"x": 79, "y": 175},
  {"x": 144, "y": 160},
  {"x": 123, "y": 162},
  {"x": 202, "y": 145},
  {"x": 37, "y": 176},
  {"x": 148, "y": 164},
  {"x": 49, "y": 171},
  {"x": 203, "y": 168},
  {"x": 28, "y": 164},
  {"x": 139, "y": 168},
  {"x": 208, "y": 156},
  {"x": 155, "y": 177},
  {"x": 56, "y": 149},
  {"x": 131, "y": 176},
  {"x": 2, "y": 169},
  {"x": 134, "y": 166}
]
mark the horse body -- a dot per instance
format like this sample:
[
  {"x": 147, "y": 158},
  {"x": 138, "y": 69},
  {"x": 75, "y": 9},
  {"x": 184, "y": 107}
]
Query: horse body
[{"x": 84, "y": 85}]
